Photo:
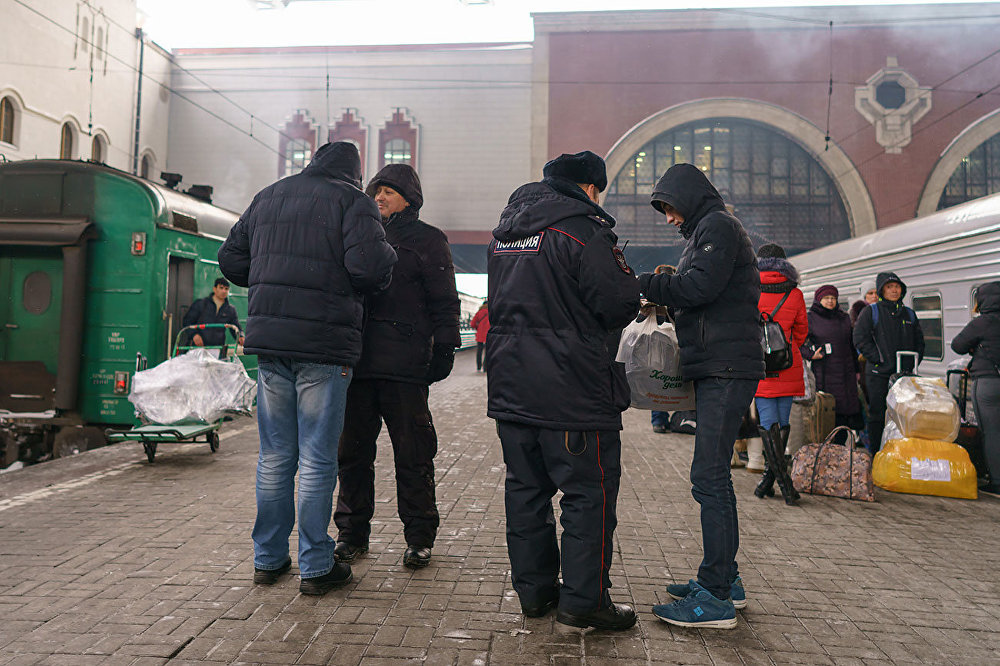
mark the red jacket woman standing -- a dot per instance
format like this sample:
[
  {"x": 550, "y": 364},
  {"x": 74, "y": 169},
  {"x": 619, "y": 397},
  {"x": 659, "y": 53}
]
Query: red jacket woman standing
[
  {"x": 778, "y": 280},
  {"x": 481, "y": 322}
]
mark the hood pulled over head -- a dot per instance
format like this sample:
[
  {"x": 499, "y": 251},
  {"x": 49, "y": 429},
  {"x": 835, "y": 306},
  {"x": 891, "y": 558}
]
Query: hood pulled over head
[
  {"x": 339, "y": 160},
  {"x": 885, "y": 278},
  {"x": 687, "y": 190},
  {"x": 401, "y": 177},
  {"x": 988, "y": 298},
  {"x": 535, "y": 206}
]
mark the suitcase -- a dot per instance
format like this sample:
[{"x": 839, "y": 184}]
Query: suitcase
[
  {"x": 820, "y": 418},
  {"x": 970, "y": 437},
  {"x": 836, "y": 470}
]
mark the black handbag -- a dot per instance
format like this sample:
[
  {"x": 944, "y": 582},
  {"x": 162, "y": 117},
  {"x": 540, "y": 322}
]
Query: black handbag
[{"x": 777, "y": 351}]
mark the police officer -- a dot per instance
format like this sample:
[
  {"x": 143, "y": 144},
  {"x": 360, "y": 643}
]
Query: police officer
[{"x": 560, "y": 293}]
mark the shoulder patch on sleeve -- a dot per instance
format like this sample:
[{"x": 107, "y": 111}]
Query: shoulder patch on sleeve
[
  {"x": 529, "y": 245},
  {"x": 620, "y": 260},
  {"x": 707, "y": 247}
]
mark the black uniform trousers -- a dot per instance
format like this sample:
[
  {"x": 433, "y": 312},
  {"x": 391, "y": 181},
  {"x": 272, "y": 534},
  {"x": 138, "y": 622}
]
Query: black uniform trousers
[
  {"x": 403, "y": 406},
  {"x": 586, "y": 467}
]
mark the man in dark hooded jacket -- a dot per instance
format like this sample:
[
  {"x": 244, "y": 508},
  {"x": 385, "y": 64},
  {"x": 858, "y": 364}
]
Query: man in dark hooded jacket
[
  {"x": 560, "y": 293},
  {"x": 308, "y": 247},
  {"x": 411, "y": 332},
  {"x": 884, "y": 328},
  {"x": 714, "y": 293}
]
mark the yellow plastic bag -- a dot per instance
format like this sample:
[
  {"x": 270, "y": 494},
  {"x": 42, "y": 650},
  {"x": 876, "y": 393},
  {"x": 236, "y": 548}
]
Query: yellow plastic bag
[
  {"x": 923, "y": 407},
  {"x": 925, "y": 467}
]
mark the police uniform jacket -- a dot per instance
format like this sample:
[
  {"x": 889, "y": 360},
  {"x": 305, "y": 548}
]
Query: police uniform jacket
[
  {"x": 560, "y": 293},
  {"x": 716, "y": 288},
  {"x": 309, "y": 246}
]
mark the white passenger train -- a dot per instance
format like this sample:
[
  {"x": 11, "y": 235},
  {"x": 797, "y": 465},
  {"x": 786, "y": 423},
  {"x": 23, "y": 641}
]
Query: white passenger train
[{"x": 942, "y": 258}]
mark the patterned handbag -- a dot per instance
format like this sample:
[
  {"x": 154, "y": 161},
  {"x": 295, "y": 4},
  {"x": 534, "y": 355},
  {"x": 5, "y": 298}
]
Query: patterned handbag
[{"x": 831, "y": 469}]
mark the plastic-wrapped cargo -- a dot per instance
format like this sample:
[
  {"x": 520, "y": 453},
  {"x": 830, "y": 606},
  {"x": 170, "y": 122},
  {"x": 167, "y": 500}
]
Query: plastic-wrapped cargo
[
  {"x": 652, "y": 362},
  {"x": 923, "y": 407},
  {"x": 925, "y": 467},
  {"x": 192, "y": 388}
]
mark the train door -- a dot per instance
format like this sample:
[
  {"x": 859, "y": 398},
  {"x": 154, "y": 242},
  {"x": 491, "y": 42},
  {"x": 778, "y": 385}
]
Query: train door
[
  {"x": 180, "y": 294},
  {"x": 30, "y": 311}
]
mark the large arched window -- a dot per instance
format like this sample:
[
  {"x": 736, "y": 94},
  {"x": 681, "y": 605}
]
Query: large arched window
[
  {"x": 66, "y": 142},
  {"x": 977, "y": 175},
  {"x": 6, "y": 120},
  {"x": 780, "y": 192}
]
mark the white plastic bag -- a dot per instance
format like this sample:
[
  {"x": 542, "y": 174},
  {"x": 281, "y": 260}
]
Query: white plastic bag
[
  {"x": 652, "y": 362},
  {"x": 192, "y": 388}
]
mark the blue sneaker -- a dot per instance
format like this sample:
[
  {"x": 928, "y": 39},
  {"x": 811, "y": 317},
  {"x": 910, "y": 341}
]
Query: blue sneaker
[
  {"x": 736, "y": 592},
  {"x": 698, "y": 609}
]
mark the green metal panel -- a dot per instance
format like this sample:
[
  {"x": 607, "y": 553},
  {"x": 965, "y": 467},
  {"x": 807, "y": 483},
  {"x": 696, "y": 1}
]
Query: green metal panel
[{"x": 31, "y": 289}]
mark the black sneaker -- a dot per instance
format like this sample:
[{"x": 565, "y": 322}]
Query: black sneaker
[
  {"x": 270, "y": 576},
  {"x": 616, "y": 617},
  {"x": 339, "y": 576},
  {"x": 661, "y": 429},
  {"x": 416, "y": 558},
  {"x": 347, "y": 552}
]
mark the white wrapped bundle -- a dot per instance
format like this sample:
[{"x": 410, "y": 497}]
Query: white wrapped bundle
[
  {"x": 192, "y": 388},
  {"x": 924, "y": 408}
]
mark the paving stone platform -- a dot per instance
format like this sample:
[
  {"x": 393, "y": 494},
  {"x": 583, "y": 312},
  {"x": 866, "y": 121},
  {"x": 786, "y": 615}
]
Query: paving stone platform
[{"x": 105, "y": 559}]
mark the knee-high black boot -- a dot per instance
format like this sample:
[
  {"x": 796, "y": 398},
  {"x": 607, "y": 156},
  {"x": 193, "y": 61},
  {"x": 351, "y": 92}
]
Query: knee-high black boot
[
  {"x": 785, "y": 430},
  {"x": 765, "y": 487},
  {"x": 781, "y": 475}
]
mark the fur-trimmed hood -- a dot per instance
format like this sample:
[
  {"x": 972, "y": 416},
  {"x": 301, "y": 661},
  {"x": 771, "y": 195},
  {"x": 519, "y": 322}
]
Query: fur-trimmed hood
[{"x": 777, "y": 274}]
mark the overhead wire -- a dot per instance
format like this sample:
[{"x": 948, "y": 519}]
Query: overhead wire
[{"x": 150, "y": 78}]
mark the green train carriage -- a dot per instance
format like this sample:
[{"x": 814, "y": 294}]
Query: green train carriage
[{"x": 97, "y": 267}]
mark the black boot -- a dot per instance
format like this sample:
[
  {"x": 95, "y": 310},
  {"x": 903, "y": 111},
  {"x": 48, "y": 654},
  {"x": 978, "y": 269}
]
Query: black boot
[
  {"x": 781, "y": 475},
  {"x": 784, "y": 447},
  {"x": 765, "y": 487}
]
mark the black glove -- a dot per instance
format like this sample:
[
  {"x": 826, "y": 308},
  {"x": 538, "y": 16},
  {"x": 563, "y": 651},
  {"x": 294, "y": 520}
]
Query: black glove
[{"x": 441, "y": 363}]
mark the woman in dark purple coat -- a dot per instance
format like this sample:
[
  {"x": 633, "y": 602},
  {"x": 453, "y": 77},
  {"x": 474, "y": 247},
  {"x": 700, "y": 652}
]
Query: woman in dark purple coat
[{"x": 834, "y": 361}]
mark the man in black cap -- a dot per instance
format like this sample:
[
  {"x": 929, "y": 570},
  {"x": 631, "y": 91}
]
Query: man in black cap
[
  {"x": 714, "y": 294},
  {"x": 213, "y": 309},
  {"x": 560, "y": 293},
  {"x": 411, "y": 332}
]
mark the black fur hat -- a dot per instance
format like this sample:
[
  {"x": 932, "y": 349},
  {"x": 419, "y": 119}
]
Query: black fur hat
[
  {"x": 771, "y": 250},
  {"x": 585, "y": 167}
]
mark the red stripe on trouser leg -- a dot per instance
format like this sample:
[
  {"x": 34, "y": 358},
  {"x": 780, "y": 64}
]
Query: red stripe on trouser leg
[{"x": 604, "y": 513}]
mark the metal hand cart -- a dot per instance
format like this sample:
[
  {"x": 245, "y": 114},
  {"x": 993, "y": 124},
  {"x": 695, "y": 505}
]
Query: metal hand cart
[{"x": 152, "y": 434}]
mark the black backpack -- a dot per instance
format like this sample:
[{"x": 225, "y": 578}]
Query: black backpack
[{"x": 777, "y": 351}]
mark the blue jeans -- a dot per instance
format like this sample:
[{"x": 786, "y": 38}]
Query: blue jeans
[
  {"x": 660, "y": 418},
  {"x": 300, "y": 415},
  {"x": 774, "y": 410},
  {"x": 721, "y": 404}
]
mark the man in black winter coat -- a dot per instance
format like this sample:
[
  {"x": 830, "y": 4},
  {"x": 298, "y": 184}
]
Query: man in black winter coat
[
  {"x": 411, "y": 332},
  {"x": 308, "y": 247},
  {"x": 560, "y": 293},
  {"x": 714, "y": 293},
  {"x": 213, "y": 309},
  {"x": 884, "y": 328}
]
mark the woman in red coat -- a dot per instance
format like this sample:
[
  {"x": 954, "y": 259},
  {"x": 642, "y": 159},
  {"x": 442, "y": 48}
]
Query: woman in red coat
[
  {"x": 778, "y": 279},
  {"x": 481, "y": 322}
]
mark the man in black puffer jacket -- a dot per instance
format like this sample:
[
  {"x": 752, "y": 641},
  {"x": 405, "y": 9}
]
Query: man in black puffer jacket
[
  {"x": 884, "y": 328},
  {"x": 308, "y": 247},
  {"x": 560, "y": 293},
  {"x": 411, "y": 332},
  {"x": 714, "y": 294}
]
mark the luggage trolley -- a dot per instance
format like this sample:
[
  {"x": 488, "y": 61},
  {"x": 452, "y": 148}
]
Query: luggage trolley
[{"x": 152, "y": 434}]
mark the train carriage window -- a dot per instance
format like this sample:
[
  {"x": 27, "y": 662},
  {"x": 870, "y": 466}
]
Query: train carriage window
[{"x": 929, "y": 312}]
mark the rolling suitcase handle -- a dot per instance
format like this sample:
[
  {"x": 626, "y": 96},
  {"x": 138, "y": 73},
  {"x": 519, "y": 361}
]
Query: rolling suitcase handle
[
  {"x": 900, "y": 355},
  {"x": 963, "y": 387}
]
